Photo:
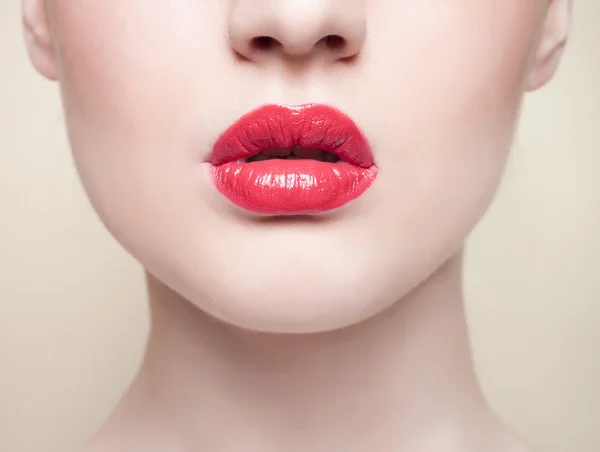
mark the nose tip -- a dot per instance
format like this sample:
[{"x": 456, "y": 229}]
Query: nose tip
[{"x": 297, "y": 28}]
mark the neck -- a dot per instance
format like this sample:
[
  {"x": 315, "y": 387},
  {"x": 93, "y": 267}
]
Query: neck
[{"x": 400, "y": 381}]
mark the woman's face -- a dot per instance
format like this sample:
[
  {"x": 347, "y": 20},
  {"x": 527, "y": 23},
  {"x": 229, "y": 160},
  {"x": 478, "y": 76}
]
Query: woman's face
[{"x": 435, "y": 87}]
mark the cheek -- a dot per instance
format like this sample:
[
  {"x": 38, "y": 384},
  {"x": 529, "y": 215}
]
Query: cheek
[
  {"x": 128, "y": 67},
  {"x": 457, "y": 90},
  {"x": 127, "y": 71},
  {"x": 449, "y": 89},
  {"x": 458, "y": 72}
]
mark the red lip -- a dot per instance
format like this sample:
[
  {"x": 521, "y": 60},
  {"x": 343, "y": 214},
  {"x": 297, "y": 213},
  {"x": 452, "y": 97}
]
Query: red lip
[{"x": 298, "y": 186}]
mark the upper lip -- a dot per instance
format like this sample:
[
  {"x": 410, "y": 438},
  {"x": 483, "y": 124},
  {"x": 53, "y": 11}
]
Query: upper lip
[{"x": 311, "y": 126}]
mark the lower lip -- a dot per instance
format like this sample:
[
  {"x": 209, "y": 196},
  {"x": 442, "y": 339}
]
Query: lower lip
[{"x": 291, "y": 187}]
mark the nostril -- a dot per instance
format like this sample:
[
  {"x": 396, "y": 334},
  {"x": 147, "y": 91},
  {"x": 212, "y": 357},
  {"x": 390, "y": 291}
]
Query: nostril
[
  {"x": 264, "y": 42},
  {"x": 334, "y": 42}
]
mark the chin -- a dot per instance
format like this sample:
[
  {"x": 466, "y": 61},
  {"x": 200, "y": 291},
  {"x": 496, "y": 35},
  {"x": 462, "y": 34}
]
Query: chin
[
  {"x": 286, "y": 305},
  {"x": 291, "y": 307},
  {"x": 294, "y": 289}
]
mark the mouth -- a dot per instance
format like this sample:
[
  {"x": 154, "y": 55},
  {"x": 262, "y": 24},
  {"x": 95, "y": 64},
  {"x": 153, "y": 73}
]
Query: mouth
[{"x": 280, "y": 160}]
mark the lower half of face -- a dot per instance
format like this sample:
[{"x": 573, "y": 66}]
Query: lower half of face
[{"x": 434, "y": 86}]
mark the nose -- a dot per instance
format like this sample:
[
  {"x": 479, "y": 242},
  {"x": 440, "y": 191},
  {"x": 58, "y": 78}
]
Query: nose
[{"x": 297, "y": 28}]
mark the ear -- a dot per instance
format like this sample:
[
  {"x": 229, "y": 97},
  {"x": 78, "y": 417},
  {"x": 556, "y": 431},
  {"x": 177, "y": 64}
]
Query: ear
[
  {"x": 38, "y": 38},
  {"x": 553, "y": 39}
]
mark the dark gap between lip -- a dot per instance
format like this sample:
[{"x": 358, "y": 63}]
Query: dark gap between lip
[{"x": 327, "y": 157}]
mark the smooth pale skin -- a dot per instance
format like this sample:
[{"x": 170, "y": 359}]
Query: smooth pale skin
[{"x": 436, "y": 86}]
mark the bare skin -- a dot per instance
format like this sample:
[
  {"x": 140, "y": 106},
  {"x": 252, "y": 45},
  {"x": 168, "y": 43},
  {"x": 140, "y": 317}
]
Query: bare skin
[
  {"x": 400, "y": 381},
  {"x": 344, "y": 332}
]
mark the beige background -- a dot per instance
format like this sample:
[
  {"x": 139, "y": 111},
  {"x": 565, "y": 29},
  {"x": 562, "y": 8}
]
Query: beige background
[{"x": 72, "y": 309}]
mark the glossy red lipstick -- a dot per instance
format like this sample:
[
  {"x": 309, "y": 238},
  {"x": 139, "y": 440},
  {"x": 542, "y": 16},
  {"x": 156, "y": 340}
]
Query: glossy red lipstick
[{"x": 281, "y": 160}]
